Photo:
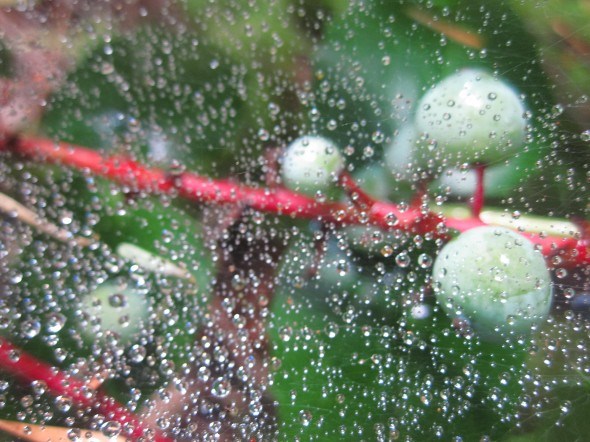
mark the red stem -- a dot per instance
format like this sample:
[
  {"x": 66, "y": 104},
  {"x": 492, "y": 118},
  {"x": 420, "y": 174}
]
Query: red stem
[
  {"x": 197, "y": 188},
  {"x": 276, "y": 200},
  {"x": 358, "y": 196},
  {"x": 28, "y": 368},
  {"x": 478, "y": 195}
]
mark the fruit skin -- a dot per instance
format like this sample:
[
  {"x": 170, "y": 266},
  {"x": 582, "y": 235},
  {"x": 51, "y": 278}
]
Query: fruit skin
[
  {"x": 311, "y": 164},
  {"x": 410, "y": 155},
  {"x": 473, "y": 117},
  {"x": 119, "y": 309},
  {"x": 400, "y": 155},
  {"x": 494, "y": 278}
]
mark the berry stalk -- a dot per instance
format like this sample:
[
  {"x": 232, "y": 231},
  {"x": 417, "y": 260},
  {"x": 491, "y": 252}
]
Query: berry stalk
[{"x": 478, "y": 196}]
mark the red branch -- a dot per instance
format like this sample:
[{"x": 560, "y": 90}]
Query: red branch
[
  {"x": 357, "y": 195},
  {"x": 28, "y": 368},
  {"x": 573, "y": 252}
]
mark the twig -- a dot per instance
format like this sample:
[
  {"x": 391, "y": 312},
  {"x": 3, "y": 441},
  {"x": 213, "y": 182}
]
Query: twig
[
  {"x": 236, "y": 327},
  {"x": 194, "y": 187},
  {"x": 459, "y": 34},
  {"x": 26, "y": 215},
  {"x": 43, "y": 433},
  {"x": 388, "y": 216},
  {"x": 358, "y": 196},
  {"x": 26, "y": 367}
]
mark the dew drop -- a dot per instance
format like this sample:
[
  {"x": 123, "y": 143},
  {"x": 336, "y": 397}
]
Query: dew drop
[
  {"x": 117, "y": 300},
  {"x": 220, "y": 388},
  {"x": 30, "y": 328},
  {"x": 331, "y": 329},
  {"x": 305, "y": 417},
  {"x": 111, "y": 429},
  {"x": 402, "y": 260},
  {"x": 378, "y": 137}
]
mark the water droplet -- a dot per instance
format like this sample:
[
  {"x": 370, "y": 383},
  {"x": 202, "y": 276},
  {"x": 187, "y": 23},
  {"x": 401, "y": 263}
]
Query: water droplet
[
  {"x": 263, "y": 135},
  {"x": 314, "y": 114},
  {"x": 55, "y": 322},
  {"x": 63, "y": 403},
  {"x": 561, "y": 273},
  {"x": 391, "y": 220},
  {"x": 117, "y": 300},
  {"x": 402, "y": 260},
  {"x": 30, "y": 328},
  {"x": 378, "y": 137},
  {"x": 569, "y": 293},
  {"x": 343, "y": 267},
  {"x": 305, "y": 417},
  {"x": 331, "y": 329},
  {"x": 387, "y": 251},
  {"x": 425, "y": 261},
  {"x": 285, "y": 333},
  {"x": 111, "y": 429},
  {"x": 137, "y": 353},
  {"x": 421, "y": 311},
  {"x": 220, "y": 388}
]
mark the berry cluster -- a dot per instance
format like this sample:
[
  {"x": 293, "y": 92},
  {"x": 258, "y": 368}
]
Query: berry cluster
[{"x": 489, "y": 278}]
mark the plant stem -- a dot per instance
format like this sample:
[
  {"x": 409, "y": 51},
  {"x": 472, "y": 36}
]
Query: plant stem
[
  {"x": 197, "y": 188},
  {"x": 478, "y": 196},
  {"x": 358, "y": 196},
  {"x": 26, "y": 367},
  {"x": 388, "y": 216}
]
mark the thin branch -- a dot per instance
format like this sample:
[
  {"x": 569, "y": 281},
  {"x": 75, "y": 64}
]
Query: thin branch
[
  {"x": 26, "y": 367},
  {"x": 12, "y": 207},
  {"x": 388, "y": 216},
  {"x": 358, "y": 196},
  {"x": 43, "y": 433},
  {"x": 197, "y": 188},
  {"x": 461, "y": 35}
]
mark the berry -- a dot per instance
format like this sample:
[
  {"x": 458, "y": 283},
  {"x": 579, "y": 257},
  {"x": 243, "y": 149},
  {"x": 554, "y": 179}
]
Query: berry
[
  {"x": 473, "y": 117},
  {"x": 408, "y": 153},
  {"x": 311, "y": 164},
  {"x": 495, "y": 279},
  {"x": 117, "y": 309},
  {"x": 400, "y": 154}
]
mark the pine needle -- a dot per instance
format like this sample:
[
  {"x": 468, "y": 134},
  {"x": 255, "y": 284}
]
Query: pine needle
[
  {"x": 10, "y": 206},
  {"x": 45, "y": 433}
]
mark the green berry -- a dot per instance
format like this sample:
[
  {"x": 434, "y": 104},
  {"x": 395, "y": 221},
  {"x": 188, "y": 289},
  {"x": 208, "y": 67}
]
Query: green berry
[
  {"x": 473, "y": 117},
  {"x": 408, "y": 153},
  {"x": 494, "y": 278},
  {"x": 400, "y": 154},
  {"x": 115, "y": 308},
  {"x": 311, "y": 164}
]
